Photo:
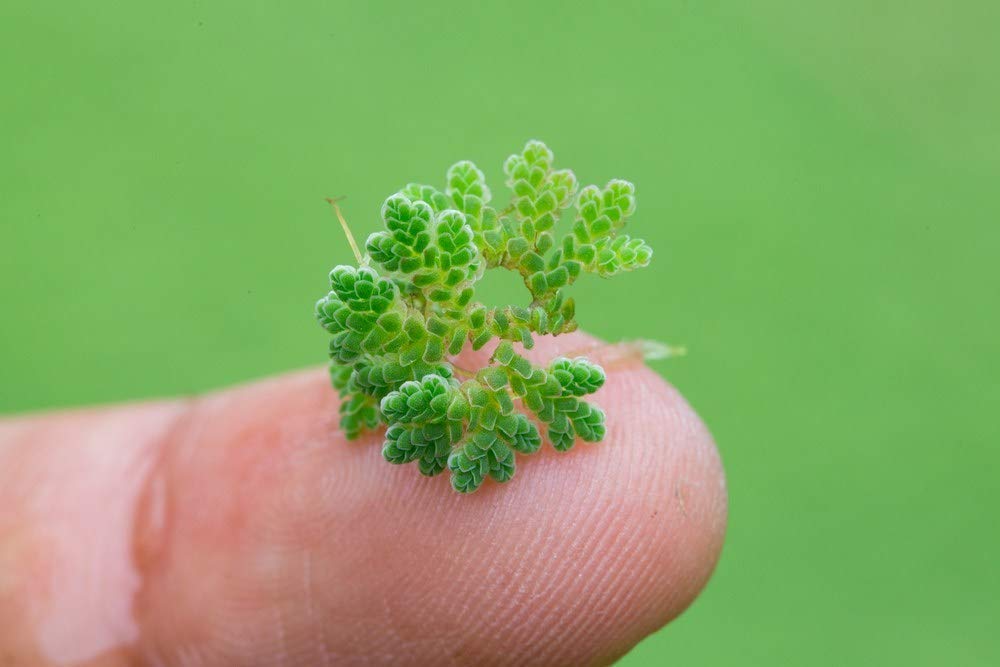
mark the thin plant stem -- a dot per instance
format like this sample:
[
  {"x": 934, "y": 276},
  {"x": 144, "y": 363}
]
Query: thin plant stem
[{"x": 347, "y": 230}]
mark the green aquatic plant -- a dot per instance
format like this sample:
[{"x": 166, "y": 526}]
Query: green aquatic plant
[{"x": 399, "y": 318}]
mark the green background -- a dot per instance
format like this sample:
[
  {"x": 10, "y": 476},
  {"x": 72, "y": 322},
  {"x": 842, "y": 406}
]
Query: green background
[{"x": 819, "y": 181}]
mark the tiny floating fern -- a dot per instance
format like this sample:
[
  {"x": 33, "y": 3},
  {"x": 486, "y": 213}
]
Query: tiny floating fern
[{"x": 398, "y": 318}]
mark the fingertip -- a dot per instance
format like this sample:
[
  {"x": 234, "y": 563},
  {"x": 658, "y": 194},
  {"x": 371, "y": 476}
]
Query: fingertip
[{"x": 573, "y": 561}]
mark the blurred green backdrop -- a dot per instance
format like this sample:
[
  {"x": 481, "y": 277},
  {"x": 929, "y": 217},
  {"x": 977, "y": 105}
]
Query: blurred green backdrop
[{"x": 819, "y": 181}]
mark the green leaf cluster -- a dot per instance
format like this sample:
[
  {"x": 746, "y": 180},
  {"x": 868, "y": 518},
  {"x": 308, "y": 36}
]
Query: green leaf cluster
[{"x": 398, "y": 320}]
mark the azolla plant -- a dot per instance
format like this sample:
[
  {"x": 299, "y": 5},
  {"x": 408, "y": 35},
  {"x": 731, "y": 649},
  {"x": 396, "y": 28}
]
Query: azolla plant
[{"x": 398, "y": 319}]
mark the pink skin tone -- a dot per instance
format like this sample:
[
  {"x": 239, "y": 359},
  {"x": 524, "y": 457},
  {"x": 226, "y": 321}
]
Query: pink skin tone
[{"x": 240, "y": 528}]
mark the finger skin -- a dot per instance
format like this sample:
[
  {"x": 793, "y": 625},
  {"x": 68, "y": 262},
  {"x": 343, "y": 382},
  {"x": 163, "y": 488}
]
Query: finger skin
[{"x": 259, "y": 536}]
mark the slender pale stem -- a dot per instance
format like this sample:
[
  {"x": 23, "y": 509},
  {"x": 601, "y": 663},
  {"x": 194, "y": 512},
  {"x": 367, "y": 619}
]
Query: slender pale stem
[{"x": 347, "y": 230}]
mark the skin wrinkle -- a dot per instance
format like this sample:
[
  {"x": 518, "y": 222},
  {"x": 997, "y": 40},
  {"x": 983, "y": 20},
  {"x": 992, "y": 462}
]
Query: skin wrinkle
[
  {"x": 611, "y": 551},
  {"x": 511, "y": 589},
  {"x": 151, "y": 548},
  {"x": 101, "y": 558},
  {"x": 600, "y": 554},
  {"x": 590, "y": 481},
  {"x": 606, "y": 523},
  {"x": 194, "y": 452},
  {"x": 498, "y": 615},
  {"x": 586, "y": 548},
  {"x": 153, "y": 517},
  {"x": 91, "y": 516},
  {"x": 551, "y": 584},
  {"x": 492, "y": 586},
  {"x": 624, "y": 601}
]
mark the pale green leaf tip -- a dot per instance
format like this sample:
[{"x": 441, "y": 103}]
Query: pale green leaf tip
[{"x": 653, "y": 350}]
